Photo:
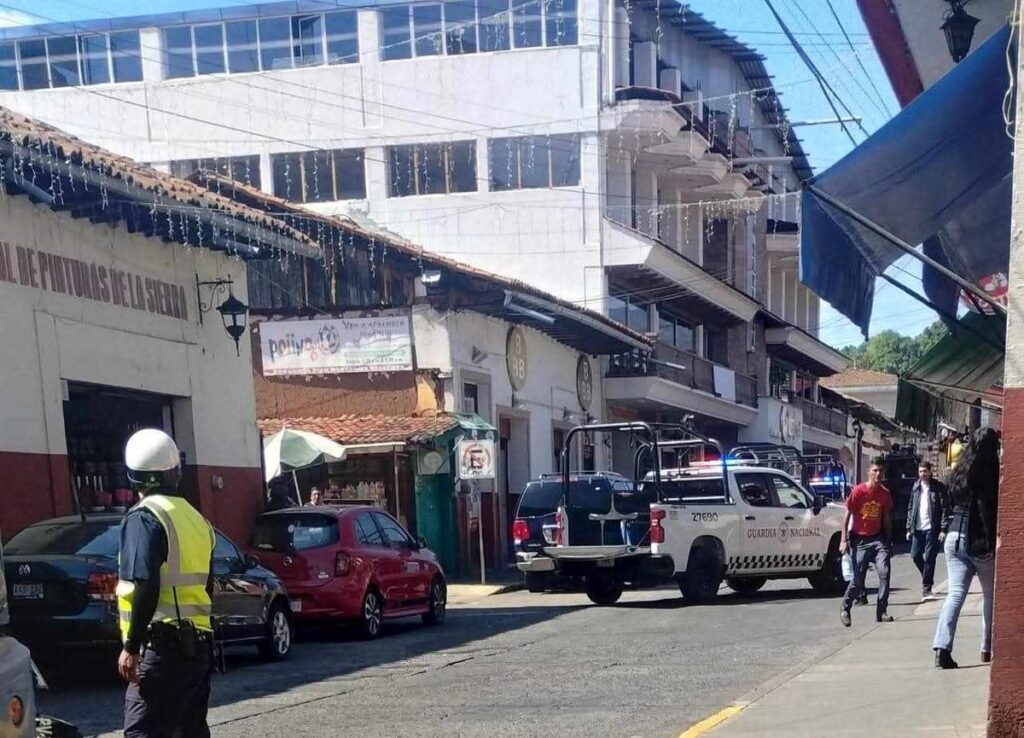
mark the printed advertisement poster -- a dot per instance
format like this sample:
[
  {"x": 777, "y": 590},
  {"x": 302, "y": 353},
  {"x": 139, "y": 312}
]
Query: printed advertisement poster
[{"x": 336, "y": 345}]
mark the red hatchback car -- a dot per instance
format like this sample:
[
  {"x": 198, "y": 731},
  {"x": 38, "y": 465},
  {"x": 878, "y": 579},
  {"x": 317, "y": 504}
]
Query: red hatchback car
[{"x": 353, "y": 563}]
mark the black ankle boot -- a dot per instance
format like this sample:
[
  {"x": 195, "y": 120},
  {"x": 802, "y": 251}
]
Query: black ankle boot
[{"x": 944, "y": 660}]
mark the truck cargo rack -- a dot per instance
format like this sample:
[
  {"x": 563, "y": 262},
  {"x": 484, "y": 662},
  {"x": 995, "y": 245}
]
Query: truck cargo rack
[{"x": 773, "y": 455}]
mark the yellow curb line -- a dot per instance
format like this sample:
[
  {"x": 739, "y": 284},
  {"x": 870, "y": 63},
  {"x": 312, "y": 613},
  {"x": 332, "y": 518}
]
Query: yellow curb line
[{"x": 719, "y": 717}]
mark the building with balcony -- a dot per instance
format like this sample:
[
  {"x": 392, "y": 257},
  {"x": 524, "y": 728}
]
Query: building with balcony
[{"x": 652, "y": 179}]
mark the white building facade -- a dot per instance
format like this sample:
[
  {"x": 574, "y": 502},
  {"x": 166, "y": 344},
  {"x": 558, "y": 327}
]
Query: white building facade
[{"x": 628, "y": 157}]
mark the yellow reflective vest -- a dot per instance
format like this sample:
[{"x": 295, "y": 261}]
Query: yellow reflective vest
[{"x": 183, "y": 576}]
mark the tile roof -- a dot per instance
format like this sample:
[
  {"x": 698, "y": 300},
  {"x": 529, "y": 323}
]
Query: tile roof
[
  {"x": 854, "y": 377},
  {"x": 358, "y": 429},
  {"x": 366, "y": 229},
  {"x": 54, "y": 155}
]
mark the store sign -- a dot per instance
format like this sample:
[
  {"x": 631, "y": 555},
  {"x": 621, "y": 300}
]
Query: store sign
[
  {"x": 90, "y": 281},
  {"x": 336, "y": 345},
  {"x": 516, "y": 358},
  {"x": 584, "y": 382},
  {"x": 476, "y": 459}
]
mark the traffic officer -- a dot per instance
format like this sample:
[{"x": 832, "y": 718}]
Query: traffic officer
[{"x": 163, "y": 595}]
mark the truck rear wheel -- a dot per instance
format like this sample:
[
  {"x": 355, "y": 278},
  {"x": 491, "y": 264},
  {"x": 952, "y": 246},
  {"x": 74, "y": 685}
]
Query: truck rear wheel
[
  {"x": 699, "y": 585},
  {"x": 603, "y": 590},
  {"x": 747, "y": 585},
  {"x": 829, "y": 579}
]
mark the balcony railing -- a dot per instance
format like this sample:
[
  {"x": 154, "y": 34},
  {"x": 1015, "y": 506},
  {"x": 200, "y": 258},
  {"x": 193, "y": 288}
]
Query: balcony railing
[
  {"x": 821, "y": 417},
  {"x": 684, "y": 368}
]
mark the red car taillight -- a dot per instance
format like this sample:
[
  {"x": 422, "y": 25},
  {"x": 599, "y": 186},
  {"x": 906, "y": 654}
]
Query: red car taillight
[
  {"x": 559, "y": 527},
  {"x": 341, "y": 564},
  {"x": 657, "y": 532},
  {"x": 102, "y": 586},
  {"x": 520, "y": 530}
]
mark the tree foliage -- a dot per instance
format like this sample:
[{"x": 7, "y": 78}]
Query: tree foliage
[{"x": 893, "y": 353}]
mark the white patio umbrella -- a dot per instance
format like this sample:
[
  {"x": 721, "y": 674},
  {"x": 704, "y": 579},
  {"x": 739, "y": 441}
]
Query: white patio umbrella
[{"x": 289, "y": 449}]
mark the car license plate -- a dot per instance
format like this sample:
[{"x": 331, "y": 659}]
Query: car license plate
[
  {"x": 296, "y": 605},
  {"x": 27, "y": 591}
]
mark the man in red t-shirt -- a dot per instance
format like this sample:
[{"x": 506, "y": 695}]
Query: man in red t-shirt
[{"x": 867, "y": 534}]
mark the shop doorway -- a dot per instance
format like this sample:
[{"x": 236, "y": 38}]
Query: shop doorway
[
  {"x": 98, "y": 421},
  {"x": 513, "y": 473}
]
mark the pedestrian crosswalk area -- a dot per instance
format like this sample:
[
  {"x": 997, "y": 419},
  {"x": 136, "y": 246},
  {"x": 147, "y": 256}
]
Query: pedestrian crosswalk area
[{"x": 769, "y": 562}]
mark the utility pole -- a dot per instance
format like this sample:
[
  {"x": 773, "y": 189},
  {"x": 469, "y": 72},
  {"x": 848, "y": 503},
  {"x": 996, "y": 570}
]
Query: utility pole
[{"x": 1006, "y": 682}]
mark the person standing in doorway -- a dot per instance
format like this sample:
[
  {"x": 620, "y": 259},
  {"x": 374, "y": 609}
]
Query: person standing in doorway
[
  {"x": 924, "y": 523},
  {"x": 867, "y": 533},
  {"x": 969, "y": 539}
]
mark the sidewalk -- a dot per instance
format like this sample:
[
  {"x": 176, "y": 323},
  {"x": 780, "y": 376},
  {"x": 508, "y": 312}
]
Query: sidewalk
[
  {"x": 498, "y": 582},
  {"x": 878, "y": 682}
]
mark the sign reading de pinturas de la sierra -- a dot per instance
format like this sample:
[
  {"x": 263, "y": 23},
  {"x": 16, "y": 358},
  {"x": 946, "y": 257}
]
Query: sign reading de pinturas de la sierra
[
  {"x": 336, "y": 345},
  {"x": 41, "y": 270}
]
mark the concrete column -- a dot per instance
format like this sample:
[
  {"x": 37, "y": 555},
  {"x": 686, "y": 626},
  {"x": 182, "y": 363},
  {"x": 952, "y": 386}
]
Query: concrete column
[
  {"x": 645, "y": 64},
  {"x": 801, "y": 304},
  {"x": 646, "y": 201},
  {"x": 814, "y": 315},
  {"x": 1006, "y": 681},
  {"x": 152, "y": 45},
  {"x": 376, "y": 176},
  {"x": 697, "y": 98},
  {"x": 619, "y": 202},
  {"x": 789, "y": 297},
  {"x": 620, "y": 45},
  {"x": 671, "y": 80},
  {"x": 266, "y": 173}
]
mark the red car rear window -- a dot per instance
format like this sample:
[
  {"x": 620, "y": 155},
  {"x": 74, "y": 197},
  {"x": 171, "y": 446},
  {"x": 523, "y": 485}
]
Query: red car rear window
[{"x": 298, "y": 531}]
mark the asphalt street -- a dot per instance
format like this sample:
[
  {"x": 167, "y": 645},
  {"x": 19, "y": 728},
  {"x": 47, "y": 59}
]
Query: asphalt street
[{"x": 518, "y": 664}]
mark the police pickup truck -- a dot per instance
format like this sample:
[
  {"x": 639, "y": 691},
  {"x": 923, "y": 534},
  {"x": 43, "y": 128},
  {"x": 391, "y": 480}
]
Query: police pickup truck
[{"x": 699, "y": 524}]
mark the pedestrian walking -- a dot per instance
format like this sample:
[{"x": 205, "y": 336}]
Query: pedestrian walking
[
  {"x": 969, "y": 541},
  {"x": 867, "y": 534},
  {"x": 164, "y": 598},
  {"x": 924, "y": 522}
]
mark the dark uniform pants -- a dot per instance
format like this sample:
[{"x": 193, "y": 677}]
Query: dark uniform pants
[{"x": 172, "y": 693}]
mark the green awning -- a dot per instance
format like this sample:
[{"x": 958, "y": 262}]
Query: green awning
[
  {"x": 958, "y": 369},
  {"x": 473, "y": 422}
]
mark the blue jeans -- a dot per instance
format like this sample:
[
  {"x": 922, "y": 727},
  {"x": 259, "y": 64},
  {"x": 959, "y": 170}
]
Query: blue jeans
[
  {"x": 924, "y": 548},
  {"x": 864, "y": 552},
  {"x": 962, "y": 569}
]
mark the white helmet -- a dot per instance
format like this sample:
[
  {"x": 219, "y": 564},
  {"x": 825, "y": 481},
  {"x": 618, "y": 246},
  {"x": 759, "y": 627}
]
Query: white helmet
[{"x": 153, "y": 460}]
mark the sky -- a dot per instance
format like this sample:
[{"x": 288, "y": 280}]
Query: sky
[{"x": 854, "y": 73}]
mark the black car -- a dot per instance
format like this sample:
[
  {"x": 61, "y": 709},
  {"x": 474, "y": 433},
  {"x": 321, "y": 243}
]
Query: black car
[
  {"x": 591, "y": 496},
  {"x": 62, "y": 573}
]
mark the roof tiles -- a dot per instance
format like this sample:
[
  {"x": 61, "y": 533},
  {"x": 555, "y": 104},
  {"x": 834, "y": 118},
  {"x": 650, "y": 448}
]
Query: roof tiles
[{"x": 364, "y": 429}]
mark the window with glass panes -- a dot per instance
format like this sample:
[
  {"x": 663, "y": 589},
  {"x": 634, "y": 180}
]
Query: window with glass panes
[
  {"x": 244, "y": 169},
  {"x": 70, "y": 61},
  {"x": 627, "y": 310},
  {"x": 320, "y": 176},
  {"x": 469, "y": 26},
  {"x": 265, "y": 44},
  {"x": 432, "y": 169},
  {"x": 676, "y": 333},
  {"x": 534, "y": 161}
]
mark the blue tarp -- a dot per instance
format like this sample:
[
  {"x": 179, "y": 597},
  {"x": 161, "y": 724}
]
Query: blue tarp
[{"x": 939, "y": 172}]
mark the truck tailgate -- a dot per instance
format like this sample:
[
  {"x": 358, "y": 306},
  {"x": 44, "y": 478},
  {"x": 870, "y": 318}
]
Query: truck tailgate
[{"x": 594, "y": 553}]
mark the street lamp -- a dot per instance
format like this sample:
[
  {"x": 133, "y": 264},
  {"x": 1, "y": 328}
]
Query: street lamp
[
  {"x": 232, "y": 310},
  {"x": 232, "y": 313},
  {"x": 959, "y": 29}
]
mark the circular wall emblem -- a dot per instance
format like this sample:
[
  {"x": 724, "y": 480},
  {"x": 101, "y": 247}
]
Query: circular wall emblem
[
  {"x": 516, "y": 358},
  {"x": 584, "y": 382},
  {"x": 432, "y": 461},
  {"x": 789, "y": 426}
]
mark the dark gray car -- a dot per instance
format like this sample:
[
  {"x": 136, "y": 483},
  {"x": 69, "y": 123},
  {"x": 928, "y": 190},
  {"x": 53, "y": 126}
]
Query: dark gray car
[{"x": 61, "y": 576}]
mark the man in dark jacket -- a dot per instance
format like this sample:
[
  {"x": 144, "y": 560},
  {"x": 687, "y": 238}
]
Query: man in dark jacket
[{"x": 924, "y": 521}]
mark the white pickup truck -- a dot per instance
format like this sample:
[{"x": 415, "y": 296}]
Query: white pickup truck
[{"x": 709, "y": 521}]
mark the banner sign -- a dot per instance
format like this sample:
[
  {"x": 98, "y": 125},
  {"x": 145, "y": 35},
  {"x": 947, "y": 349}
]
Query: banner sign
[
  {"x": 336, "y": 345},
  {"x": 476, "y": 459}
]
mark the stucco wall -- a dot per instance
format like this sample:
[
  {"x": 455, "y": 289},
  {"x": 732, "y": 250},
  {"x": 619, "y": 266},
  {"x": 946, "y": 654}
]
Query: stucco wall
[{"x": 51, "y": 336}]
